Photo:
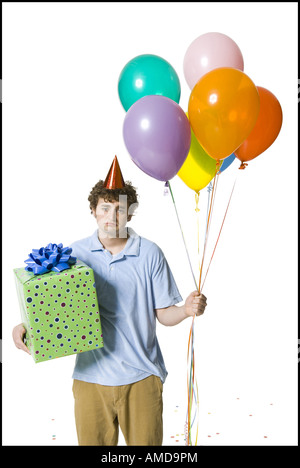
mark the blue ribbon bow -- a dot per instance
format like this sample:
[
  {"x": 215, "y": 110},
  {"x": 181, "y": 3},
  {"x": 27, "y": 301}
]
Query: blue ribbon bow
[{"x": 53, "y": 257}]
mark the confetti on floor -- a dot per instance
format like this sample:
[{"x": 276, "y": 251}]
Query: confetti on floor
[
  {"x": 180, "y": 438},
  {"x": 53, "y": 435}
]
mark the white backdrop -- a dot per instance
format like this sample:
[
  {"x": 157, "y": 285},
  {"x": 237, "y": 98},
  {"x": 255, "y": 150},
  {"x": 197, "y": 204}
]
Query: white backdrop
[{"x": 62, "y": 126}]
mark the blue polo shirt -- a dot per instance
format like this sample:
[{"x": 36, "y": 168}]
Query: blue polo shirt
[{"x": 130, "y": 286}]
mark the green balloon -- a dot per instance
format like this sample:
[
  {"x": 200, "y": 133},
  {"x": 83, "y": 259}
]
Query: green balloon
[{"x": 147, "y": 74}]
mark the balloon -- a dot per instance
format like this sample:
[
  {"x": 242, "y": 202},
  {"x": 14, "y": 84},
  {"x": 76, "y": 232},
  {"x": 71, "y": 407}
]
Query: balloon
[
  {"x": 226, "y": 162},
  {"x": 147, "y": 74},
  {"x": 210, "y": 51},
  {"x": 266, "y": 129},
  {"x": 157, "y": 135},
  {"x": 199, "y": 168},
  {"x": 223, "y": 108}
]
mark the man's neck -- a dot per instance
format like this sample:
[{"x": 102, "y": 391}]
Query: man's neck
[{"x": 114, "y": 245}]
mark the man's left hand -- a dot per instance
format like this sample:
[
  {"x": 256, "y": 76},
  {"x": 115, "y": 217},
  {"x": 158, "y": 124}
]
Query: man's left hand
[{"x": 195, "y": 304}]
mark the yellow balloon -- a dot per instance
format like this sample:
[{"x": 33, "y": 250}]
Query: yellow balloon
[{"x": 199, "y": 168}]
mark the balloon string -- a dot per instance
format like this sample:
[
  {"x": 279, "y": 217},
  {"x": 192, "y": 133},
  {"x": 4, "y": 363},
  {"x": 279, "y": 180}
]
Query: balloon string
[
  {"x": 209, "y": 189},
  {"x": 192, "y": 381},
  {"x": 188, "y": 385},
  {"x": 197, "y": 399},
  {"x": 187, "y": 253},
  {"x": 219, "y": 232},
  {"x": 192, "y": 393},
  {"x": 209, "y": 216},
  {"x": 198, "y": 226}
]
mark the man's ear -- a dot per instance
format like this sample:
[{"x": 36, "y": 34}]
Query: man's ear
[
  {"x": 94, "y": 212},
  {"x": 131, "y": 210}
]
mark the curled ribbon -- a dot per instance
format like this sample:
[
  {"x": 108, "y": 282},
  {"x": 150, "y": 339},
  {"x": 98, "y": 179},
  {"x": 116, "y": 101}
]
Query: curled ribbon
[{"x": 53, "y": 257}]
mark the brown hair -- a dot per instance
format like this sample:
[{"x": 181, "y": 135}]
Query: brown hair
[{"x": 111, "y": 195}]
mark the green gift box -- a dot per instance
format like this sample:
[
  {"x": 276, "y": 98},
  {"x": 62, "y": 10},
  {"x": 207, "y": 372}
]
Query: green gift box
[{"x": 60, "y": 311}]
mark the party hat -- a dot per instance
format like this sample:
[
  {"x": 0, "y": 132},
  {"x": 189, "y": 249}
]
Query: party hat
[{"x": 114, "y": 178}]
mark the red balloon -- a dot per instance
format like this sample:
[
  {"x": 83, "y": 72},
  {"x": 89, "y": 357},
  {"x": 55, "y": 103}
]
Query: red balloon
[{"x": 266, "y": 128}]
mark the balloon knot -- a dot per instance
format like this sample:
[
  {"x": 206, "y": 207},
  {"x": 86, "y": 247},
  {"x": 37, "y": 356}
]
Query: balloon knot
[
  {"x": 243, "y": 165},
  {"x": 197, "y": 201},
  {"x": 166, "y": 189},
  {"x": 209, "y": 187}
]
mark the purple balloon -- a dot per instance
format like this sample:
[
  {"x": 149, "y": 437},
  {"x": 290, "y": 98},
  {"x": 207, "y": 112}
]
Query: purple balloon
[{"x": 157, "y": 135}]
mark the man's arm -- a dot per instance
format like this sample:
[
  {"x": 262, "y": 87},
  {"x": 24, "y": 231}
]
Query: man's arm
[{"x": 194, "y": 304}]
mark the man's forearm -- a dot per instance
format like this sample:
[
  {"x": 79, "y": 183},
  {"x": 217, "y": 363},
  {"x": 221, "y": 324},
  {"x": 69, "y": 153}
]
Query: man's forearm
[{"x": 171, "y": 315}]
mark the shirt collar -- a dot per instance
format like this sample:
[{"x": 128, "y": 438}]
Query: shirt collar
[{"x": 132, "y": 246}]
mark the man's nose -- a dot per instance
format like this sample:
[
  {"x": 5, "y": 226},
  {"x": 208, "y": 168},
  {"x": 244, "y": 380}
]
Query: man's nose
[{"x": 112, "y": 215}]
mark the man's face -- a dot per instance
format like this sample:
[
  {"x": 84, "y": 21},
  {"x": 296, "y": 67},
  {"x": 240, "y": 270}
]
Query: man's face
[{"x": 112, "y": 217}]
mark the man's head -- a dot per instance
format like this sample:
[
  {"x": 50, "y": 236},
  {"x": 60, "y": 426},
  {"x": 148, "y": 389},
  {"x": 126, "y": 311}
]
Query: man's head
[{"x": 113, "y": 208}]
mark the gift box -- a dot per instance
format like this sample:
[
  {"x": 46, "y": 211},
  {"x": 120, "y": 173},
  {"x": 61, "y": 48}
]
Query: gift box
[{"x": 59, "y": 308}]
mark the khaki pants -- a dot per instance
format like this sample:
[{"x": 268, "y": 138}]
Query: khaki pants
[{"x": 137, "y": 408}]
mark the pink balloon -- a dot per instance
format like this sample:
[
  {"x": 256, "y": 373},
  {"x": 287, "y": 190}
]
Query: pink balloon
[{"x": 210, "y": 51}]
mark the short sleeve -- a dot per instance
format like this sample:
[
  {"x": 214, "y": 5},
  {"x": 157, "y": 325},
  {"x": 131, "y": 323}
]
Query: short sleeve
[{"x": 164, "y": 289}]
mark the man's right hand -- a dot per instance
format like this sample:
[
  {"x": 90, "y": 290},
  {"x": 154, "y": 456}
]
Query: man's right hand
[{"x": 18, "y": 337}]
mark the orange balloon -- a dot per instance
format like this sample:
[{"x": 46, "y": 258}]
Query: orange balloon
[
  {"x": 223, "y": 108},
  {"x": 266, "y": 128}
]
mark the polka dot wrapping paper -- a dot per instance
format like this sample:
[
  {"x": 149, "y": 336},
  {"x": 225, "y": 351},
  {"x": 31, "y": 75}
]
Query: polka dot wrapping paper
[{"x": 59, "y": 311}]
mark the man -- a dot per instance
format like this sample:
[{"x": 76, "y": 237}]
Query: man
[{"x": 120, "y": 385}]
